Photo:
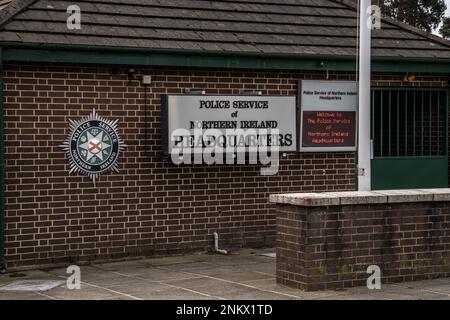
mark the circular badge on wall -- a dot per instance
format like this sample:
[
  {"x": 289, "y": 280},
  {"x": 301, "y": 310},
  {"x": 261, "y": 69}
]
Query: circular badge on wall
[{"x": 93, "y": 146}]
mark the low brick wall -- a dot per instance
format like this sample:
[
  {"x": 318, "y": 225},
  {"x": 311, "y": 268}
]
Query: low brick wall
[{"x": 328, "y": 240}]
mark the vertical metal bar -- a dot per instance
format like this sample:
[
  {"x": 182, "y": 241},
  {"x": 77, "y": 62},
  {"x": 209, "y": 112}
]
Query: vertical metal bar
[
  {"x": 406, "y": 122},
  {"x": 373, "y": 115},
  {"x": 398, "y": 123},
  {"x": 438, "y": 151},
  {"x": 390, "y": 120},
  {"x": 414, "y": 123},
  {"x": 430, "y": 127},
  {"x": 381, "y": 123},
  {"x": 446, "y": 123},
  {"x": 422, "y": 121}
]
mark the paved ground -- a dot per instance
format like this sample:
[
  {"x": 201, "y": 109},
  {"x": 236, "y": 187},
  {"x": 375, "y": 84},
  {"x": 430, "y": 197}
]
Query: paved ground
[{"x": 242, "y": 275}]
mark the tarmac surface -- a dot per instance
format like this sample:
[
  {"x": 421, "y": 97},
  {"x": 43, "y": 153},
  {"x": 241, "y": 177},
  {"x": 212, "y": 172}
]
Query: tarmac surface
[{"x": 242, "y": 275}]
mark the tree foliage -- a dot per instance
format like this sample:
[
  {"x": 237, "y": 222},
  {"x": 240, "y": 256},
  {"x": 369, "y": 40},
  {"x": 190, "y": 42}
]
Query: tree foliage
[
  {"x": 445, "y": 28},
  {"x": 423, "y": 14}
]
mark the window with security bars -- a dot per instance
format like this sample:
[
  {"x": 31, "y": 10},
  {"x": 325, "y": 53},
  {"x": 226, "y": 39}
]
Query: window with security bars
[{"x": 409, "y": 122}]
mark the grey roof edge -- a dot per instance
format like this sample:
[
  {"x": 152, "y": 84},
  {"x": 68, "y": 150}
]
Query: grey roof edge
[
  {"x": 196, "y": 52},
  {"x": 12, "y": 9},
  {"x": 400, "y": 24}
]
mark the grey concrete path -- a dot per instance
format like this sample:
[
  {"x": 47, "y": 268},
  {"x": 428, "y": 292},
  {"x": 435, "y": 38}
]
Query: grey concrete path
[{"x": 246, "y": 275}]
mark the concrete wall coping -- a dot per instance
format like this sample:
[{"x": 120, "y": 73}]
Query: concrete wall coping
[{"x": 361, "y": 197}]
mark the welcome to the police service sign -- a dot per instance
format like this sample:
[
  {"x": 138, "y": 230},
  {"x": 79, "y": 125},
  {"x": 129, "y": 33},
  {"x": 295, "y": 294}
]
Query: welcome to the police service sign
[
  {"x": 328, "y": 115},
  {"x": 240, "y": 119}
]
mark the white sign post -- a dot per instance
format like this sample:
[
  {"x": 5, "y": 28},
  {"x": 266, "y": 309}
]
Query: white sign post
[{"x": 364, "y": 143}]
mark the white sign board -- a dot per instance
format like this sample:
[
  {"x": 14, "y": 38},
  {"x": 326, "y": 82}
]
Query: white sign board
[
  {"x": 323, "y": 95},
  {"x": 328, "y": 115},
  {"x": 244, "y": 114}
]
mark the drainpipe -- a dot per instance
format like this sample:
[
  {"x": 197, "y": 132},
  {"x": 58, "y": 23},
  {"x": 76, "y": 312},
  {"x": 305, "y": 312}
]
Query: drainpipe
[
  {"x": 364, "y": 143},
  {"x": 2, "y": 173},
  {"x": 216, "y": 245}
]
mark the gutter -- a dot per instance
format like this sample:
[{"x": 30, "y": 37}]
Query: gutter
[
  {"x": 69, "y": 53},
  {"x": 74, "y": 47}
]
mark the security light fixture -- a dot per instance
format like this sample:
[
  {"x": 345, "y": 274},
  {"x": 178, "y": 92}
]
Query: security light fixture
[
  {"x": 131, "y": 74},
  {"x": 146, "y": 80}
]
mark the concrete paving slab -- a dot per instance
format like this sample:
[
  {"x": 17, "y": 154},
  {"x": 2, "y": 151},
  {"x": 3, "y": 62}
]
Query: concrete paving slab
[
  {"x": 442, "y": 289},
  {"x": 214, "y": 287},
  {"x": 239, "y": 276},
  {"x": 261, "y": 295},
  {"x": 164, "y": 275},
  {"x": 396, "y": 292},
  {"x": 266, "y": 268},
  {"x": 28, "y": 275},
  {"x": 228, "y": 289},
  {"x": 271, "y": 285},
  {"x": 22, "y": 296},
  {"x": 137, "y": 285},
  {"x": 97, "y": 276},
  {"x": 108, "y": 281},
  {"x": 86, "y": 271},
  {"x": 352, "y": 297},
  {"x": 180, "y": 267},
  {"x": 121, "y": 265},
  {"x": 232, "y": 274},
  {"x": 176, "y": 259},
  {"x": 211, "y": 270},
  {"x": 127, "y": 268},
  {"x": 424, "y": 283},
  {"x": 87, "y": 292},
  {"x": 116, "y": 297},
  {"x": 172, "y": 293},
  {"x": 31, "y": 285},
  {"x": 248, "y": 262},
  {"x": 409, "y": 296}
]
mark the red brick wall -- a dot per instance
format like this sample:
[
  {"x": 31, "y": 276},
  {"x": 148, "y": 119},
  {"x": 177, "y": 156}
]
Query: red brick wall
[
  {"x": 151, "y": 207},
  {"x": 321, "y": 248}
]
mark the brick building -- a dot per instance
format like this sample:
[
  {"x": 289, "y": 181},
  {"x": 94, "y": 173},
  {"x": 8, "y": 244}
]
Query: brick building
[{"x": 52, "y": 74}]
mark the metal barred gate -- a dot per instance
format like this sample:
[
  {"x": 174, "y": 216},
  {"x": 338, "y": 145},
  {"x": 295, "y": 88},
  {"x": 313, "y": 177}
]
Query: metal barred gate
[{"x": 410, "y": 138}]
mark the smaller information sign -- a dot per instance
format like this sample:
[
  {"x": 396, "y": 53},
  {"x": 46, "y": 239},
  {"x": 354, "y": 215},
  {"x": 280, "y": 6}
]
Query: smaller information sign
[
  {"x": 328, "y": 129},
  {"x": 328, "y": 111}
]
